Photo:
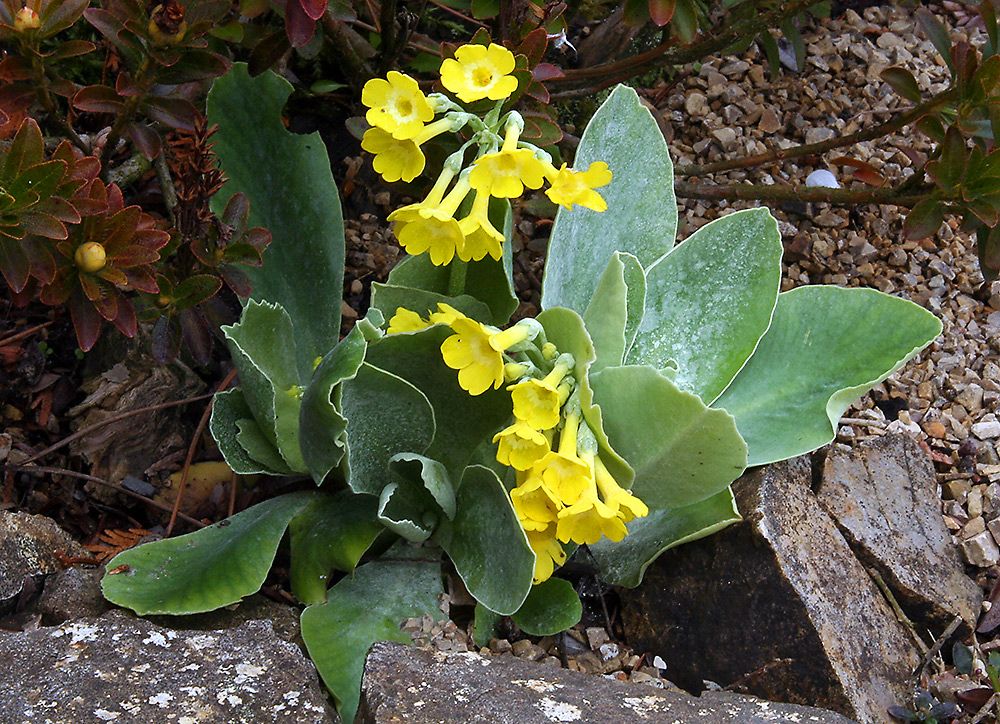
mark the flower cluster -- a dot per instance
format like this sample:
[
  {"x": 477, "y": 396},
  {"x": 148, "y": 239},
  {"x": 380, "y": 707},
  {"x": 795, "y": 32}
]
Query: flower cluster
[
  {"x": 402, "y": 120},
  {"x": 564, "y": 491}
]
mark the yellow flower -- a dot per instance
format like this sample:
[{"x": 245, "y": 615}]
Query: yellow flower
[
  {"x": 406, "y": 320},
  {"x": 504, "y": 174},
  {"x": 395, "y": 159},
  {"x": 535, "y": 504},
  {"x": 589, "y": 520},
  {"x": 564, "y": 472},
  {"x": 627, "y": 505},
  {"x": 577, "y": 187},
  {"x": 477, "y": 353},
  {"x": 401, "y": 159},
  {"x": 481, "y": 237},
  {"x": 537, "y": 402},
  {"x": 478, "y": 72},
  {"x": 397, "y": 105},
  {"x": 548, "y": 554},
  {"x": 520, "y": 446},
  {"x": 434, "y": 229},
  {"x": 445, "y": 314}
]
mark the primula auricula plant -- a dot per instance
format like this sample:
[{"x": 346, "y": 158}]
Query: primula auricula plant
[{"x": 440, "y": 435}]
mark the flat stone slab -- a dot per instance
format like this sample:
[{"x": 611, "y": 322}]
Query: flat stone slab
[
  {"x": 884, "y": 497},
  {"x": 777, "y": 606},
  {"x": 404, "y": 684},
  {"x": 128, "y": 671}
]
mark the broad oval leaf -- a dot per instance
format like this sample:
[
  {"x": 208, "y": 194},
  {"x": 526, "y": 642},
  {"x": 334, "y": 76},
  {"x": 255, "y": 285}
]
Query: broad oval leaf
[
  {"x": 615, "y": 311},
  {"x": 292, "y": 193},
  {"x": 486, "y": 543},
  {"x": 462, "y": 423},
  {"x": 625, "y": 563},
  {"x": 244, "y": 447},
  {"x": 710, "y": 300},
  {"x": 551, "y": 607},
  {"x": 204, "y": 570},
  {"x": 385, "y": 415},
  {"x": 825, "y": 348},
  {"x": 641, "y": 217},
  {"x": 322, "y": 429},
  {"x": 681, "y": 450},
  {"x": 263, "y": 348},
  {"x": 362, "y": 609},
  {"x": 331, "y": 533}
]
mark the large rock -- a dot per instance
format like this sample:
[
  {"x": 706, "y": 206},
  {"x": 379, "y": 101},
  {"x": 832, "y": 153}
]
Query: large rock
[
  {"x": 777, "y": 606},
  {"x": 884, "y": 496},
  {"x": 29, "y": 548},
  {"x": 403, "y": 684},
  {"x": 122, "y": 670}
]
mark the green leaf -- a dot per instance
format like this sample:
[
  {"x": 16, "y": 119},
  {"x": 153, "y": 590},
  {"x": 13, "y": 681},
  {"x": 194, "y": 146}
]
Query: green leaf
[
  {"x": 489, "y": 281},
  {"x": 681, "y": 450},
  {"x": 263, "y": 348},
  {"x": 793, "y": 36},
  {"x": 565, "y": 329},
  {"x": 709, "y": 301},
  {"x": 937, "y": 33},
  {"x": 551, "y": 607},
  {"x": 204, "y": 570},
  {"x": 252, "y": 439},
  {"x": 770, "y": 46},
  {"x": 486, "y": 543},
  {"x": 924, "y": 219},
  {"x": 385, "y": 415},
  {"x": 322, "y": 429},
  {"x": 330, "y": 533},
  {"x": 247, "y": 451},
  {"x": 825, "y": 348},
  {"x": 615, "y": 311},
  {"x": 407, "y": 511},
  {"x": 388, "y": 298},
  {"x": 903, "y": 82},
  {"x": 363, "y": 609},
  {"x": 484, "y": 626},
  {"x": 292, "y": 193},
  {"x": 463, "y": 422},
  {"x": 624, "y": 563},
  {"x": 428, "y": 474},
  {"x": 641, "y": 218}
]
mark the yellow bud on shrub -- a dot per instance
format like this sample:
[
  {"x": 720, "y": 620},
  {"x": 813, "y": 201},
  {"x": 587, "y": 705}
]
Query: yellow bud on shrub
[
  {"x": 26, "y": 19},
  {"x": 90, "y": 257},
  {"x": 166, "y": 24}
]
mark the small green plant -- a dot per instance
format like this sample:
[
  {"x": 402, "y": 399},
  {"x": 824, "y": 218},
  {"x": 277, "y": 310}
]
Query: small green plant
[
  {"x": 616, "y": 419},
  {"x": 925, "y": 708}
]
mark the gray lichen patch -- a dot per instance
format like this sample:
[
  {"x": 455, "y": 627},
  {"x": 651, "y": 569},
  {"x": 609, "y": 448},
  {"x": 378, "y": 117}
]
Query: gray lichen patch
[{"x": 120, "y": 670}]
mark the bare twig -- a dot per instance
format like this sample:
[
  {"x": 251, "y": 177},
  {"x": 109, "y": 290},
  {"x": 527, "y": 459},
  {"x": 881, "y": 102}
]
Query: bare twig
[
  {"x": 940, "y": 642},
  {"x": 776, "y": 192},
  {"x": 878, "y": 131},
  {"x": 32, "y": 469},
  {"x": 190, "y": 454},
  {"x": 900, "y": 616},
  {"x": 23, "y": 333},
  {"x": 985, "y": 711},
  {"x": 114, "y": 418}
]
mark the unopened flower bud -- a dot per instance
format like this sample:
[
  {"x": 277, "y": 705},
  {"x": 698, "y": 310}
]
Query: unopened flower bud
[
  {"x": 26, "y": 19},
  {"x": 549, "y": 351},
  {"x": 513, "y": 371},
  {"x": 90, "y": 257},
  {"x": 166, "y": 24}
]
